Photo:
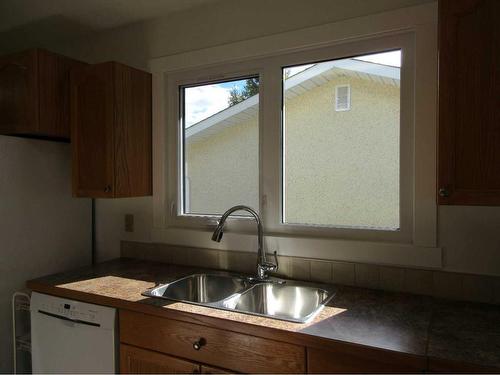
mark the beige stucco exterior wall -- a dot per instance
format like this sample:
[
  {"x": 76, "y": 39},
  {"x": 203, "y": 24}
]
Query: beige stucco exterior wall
[
  {"x": 223, "y": 169},
  {"x": 342, "y": 168}
]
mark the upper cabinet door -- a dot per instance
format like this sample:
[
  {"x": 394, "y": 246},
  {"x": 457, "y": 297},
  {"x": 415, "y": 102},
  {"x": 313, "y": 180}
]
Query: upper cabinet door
[
  {"x": 34, "y": 94},
  {"x": 132, "y": 132},
  {"x": 92, "y": 120},
  {"x": 469, "y": 102},
  {"x": 111, "y": 131},
  {"x": 53, "y": 88},
  {"x": 19, "y": 93}
]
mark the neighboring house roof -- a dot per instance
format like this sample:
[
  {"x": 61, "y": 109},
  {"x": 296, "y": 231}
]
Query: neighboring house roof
[{"x": 297, "y": 84}]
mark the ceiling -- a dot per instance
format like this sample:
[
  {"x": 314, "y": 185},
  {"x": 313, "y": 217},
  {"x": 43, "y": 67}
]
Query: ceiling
[
  {"x": 93, "y": 14},
  {"x": 29, "y": 23}
]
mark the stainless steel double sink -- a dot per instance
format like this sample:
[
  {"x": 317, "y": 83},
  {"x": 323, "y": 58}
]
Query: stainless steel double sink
[{"x": 289, "y": 300}]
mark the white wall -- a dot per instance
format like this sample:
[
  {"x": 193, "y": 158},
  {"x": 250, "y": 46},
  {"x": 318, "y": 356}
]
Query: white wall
[
  {"x": 43, "y": 230},
  {"x": 216, "y": 24},
  {"x": 468, "y": 235}
]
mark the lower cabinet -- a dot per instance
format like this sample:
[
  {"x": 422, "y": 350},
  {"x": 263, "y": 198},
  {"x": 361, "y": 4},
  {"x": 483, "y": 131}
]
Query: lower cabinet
[
  {"x": 169, "y": 340},
  {"x": 135, "y": 360},
  {"x": 152, "y": 344},
  {"x": 141, "y": 361},
  {"x": 213, "y": 370}
]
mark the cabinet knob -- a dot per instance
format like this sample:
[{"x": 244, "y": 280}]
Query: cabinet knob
[
  {"x": 107, "y": 189},
  {"x": 443, "y": 192},
  {"x": 198, "y": 344}
]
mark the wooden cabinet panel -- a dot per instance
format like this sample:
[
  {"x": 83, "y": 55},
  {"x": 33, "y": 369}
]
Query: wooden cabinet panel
[
  {"x": 132, "y": 132},
  {"x": 213, "y": 370},
  {"x": 140, "y": 361},
  {"x": 111, "y": 131},
  {"x": 19, "y": 93},
  {"x": 231, "y": 350},
  {"x": 34, "y": 94},
  {"x": 351, "y": 359},
  {"x": 469, "y": 106},
  {"x": 92, "y": 120},
  {"x": 53, "y": 83}
]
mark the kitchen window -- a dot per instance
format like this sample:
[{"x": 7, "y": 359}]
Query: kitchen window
[
  {"x": 219, "y": 124},
  {"x": 341, "y": 167},
  {"x": 267, "y": 133},
  {"x": 410, "y": 239}
]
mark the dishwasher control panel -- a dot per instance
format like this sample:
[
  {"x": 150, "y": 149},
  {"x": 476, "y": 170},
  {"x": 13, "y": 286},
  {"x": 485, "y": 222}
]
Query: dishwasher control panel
[{"x": 73, "y": 310}]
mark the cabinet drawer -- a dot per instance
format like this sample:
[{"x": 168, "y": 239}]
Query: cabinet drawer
[
  {"x": 141, "y": 361},
  {"x": 217, "y": 347},
  {"x": 213, "y": 370}
]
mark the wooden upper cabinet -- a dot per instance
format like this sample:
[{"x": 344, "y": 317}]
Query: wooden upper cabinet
[
  {"x": 34, "y": 94},
  {"x": 469, "y": 102},
  {"x": 111, "y": 131}
]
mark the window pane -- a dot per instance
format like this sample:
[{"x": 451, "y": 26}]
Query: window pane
[
  {"x": 221, "y": 146},
  {"x": 341, "y": 128}
]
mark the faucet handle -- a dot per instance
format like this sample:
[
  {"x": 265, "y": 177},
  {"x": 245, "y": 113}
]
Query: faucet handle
[
  {"x": 269, "y": 266},
  {"x": 276, "y": 260}
]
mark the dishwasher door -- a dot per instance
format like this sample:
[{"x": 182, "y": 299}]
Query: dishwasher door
[{"x": 72, "y": 337}]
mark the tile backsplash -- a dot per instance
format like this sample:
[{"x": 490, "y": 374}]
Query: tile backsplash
[{"x": 458, "y": 286}]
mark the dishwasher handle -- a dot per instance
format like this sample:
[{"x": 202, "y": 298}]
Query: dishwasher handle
[{"x": 77, "y": 321}]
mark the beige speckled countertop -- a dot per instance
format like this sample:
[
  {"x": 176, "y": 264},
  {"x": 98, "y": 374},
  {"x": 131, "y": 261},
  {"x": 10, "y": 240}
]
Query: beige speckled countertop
[{"x": 412, "y": 325}]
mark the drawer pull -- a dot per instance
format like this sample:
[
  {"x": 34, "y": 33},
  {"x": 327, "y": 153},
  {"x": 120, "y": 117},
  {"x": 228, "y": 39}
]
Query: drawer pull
[{"x": 198, "y": 344}]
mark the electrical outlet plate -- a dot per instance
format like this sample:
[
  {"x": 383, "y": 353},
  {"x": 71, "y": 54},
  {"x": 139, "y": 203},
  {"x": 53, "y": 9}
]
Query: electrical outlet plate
[{"x": 129, "y": 223}]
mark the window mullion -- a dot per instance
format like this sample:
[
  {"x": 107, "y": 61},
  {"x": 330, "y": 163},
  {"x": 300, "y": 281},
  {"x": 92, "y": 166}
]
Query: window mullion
[{"x": 270, "y": 150}]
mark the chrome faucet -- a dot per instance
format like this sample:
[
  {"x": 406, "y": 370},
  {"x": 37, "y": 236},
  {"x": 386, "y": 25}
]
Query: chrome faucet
[{"x": 263, "y": 266}]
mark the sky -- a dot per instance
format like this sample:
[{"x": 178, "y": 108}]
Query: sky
[
  {"x": 392, "y": 58},
  {"x": 204, "y": 101}
]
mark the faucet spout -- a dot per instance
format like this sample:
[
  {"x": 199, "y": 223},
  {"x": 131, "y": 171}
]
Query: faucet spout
[{"x": 262, "y": 264}]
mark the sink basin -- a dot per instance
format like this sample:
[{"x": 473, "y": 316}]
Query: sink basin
[
  {"x": 283, "y": 301},
  {"x": 200, "y": 288},
  {"x": 289, "y": 300}
]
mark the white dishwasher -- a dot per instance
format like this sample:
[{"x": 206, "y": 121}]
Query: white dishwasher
[{"x": 72, "y": 337}]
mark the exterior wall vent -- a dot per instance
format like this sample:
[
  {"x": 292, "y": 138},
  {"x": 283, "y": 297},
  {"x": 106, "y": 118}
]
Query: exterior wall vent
[{"x": 342, "y": 98}]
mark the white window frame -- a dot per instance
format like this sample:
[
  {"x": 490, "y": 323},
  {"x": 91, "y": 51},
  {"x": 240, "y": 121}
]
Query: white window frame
[
  {"x": 415, "y": 244},
  {"x": 225, "y": 72},
  {"x": 270, "y": 98},
  {"x": 403, "y": 41}
]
